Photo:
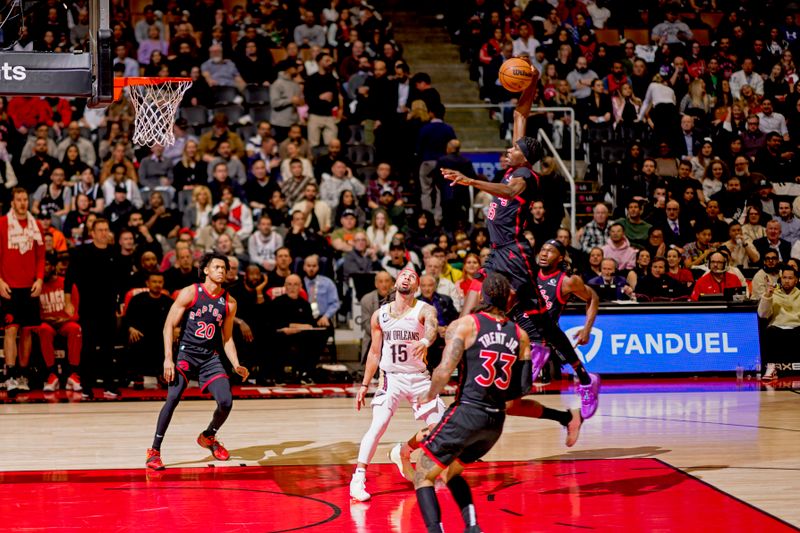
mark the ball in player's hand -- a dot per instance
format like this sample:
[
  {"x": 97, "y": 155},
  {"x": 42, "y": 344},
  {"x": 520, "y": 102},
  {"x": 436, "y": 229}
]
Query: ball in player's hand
[{"x": 516, "y": 74}]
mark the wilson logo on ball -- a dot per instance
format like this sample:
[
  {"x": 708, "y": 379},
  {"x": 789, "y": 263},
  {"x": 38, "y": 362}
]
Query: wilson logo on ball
[{"x": 515, "y": 74}]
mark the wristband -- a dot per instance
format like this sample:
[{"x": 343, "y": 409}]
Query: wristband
[
  {"x": 367, "y": 386},
  {"x": 426, "y": 342}
]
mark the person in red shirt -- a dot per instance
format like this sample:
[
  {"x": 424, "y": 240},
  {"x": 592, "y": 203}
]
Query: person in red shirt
[
  {"x": 21, "y": 278},
  {"x": 717, "y": 279},
  {"x": 55, "y": 320},
  {"x": 28, "y": 111}
]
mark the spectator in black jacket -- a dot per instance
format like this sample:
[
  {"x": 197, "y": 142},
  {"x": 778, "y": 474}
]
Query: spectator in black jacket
[
  {"x": 91, "y": 269},
  {"x": 145, "y": 316},
  {"x": 597, "y": 110},
  {"x": 324, "y": 100},
  {"x": 296, "y": 341}
]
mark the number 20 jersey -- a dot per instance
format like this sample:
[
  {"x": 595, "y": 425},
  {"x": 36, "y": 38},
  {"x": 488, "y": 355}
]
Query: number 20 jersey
[
  {"x": 203, "y": 322},
  {"x": 485, "y": 371},
  {"x": 399, "y": 335}
]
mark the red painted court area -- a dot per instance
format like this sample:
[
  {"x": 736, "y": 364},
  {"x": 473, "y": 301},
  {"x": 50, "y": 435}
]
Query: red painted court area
[{"x": 593, "y": 495}]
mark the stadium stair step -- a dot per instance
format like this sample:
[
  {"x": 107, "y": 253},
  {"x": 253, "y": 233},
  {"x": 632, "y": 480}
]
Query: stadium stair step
[{"x": 427, "y": 48}]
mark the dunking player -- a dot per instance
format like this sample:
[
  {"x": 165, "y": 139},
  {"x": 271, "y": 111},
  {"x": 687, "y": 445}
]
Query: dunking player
[
  {"x": 511, "y": 254},
  {"x": 556, "y": 287},
  {"x": 205, "y": 313},
  {"x": 496, "y": 368},
  {"x": 402, "y": 331}
]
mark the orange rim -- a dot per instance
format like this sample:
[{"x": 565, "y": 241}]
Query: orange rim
[{"x": 121, "y": 83}]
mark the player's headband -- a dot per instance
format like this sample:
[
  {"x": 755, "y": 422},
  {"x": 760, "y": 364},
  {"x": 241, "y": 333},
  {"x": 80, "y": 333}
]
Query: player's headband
[
  {"x": 558, "y": 245},
  {"x": 531, "y": 149}
]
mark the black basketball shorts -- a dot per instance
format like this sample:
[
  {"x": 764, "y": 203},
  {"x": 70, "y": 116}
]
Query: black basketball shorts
[
  {"x": 465, "y": 434},
  {"x": 206, "y": 369}
]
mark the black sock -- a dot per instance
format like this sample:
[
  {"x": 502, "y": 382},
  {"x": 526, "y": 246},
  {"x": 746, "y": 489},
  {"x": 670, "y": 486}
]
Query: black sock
[
  {"x": 429, "y": 506},
  {"x": 556, "y": 337},
  {"x": 52, "y": 370},
  {"x": 562, "y": 417},
  {"x": 11, "y": 371},
  {"x": 583, "y": 375},
  {"x": 463, "y": 496}
]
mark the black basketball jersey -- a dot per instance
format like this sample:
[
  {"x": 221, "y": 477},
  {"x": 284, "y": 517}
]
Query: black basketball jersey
[
  {"x": 550, "y": 292},
  {"x": 485, "y": 371},
  {"x": 203, "y": 321},
  {"x": 507, "y": 219}
]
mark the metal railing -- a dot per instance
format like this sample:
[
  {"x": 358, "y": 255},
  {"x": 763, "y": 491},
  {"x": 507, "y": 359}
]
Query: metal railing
[
  {"x": 569, "y": 174},
  {"x": 542, "y": 136},
  {"x": 566, "y": 110}
]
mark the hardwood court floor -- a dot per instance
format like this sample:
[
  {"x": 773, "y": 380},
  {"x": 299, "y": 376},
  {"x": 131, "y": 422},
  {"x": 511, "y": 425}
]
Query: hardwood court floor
[{"x": 744, "y": 443}]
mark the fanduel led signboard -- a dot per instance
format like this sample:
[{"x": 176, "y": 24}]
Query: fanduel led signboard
[{"x": 680, "y": 342}]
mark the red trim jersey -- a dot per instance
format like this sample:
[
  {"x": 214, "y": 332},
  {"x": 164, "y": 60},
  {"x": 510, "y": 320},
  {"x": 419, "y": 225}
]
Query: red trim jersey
[
  {"x": 485, "y": 369},
  {"x": 506, "y": 219},
  {"x": 550, "y": 290},
  {"x": 203, "y": 321}
]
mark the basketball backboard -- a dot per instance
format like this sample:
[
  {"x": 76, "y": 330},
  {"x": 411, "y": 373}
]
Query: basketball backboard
[{"x": 85, "y": 71}]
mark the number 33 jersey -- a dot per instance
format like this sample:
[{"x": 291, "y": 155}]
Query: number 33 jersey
[
  {"x": 399, "y": 335},
  {"x": 485, "y": 371},
  {"x": 203, "y": 322}
]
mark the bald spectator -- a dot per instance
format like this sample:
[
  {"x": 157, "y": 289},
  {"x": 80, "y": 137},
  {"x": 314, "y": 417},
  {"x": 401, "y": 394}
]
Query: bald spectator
[
  {"x": 325, "y": 161},
  {"x": 85, "y": 146},
  {"x": 221, "y": 72},
  {"x": 297, "y": 342},
  {"x": 595, "y": 233},
  {"x": 717, "y": 279}
]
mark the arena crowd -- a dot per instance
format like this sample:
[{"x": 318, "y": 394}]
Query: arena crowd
[{"x": 309, "y": 152}]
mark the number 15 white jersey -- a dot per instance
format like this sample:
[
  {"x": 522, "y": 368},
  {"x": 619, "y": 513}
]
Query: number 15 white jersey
[{"x": 399, "y": 334}]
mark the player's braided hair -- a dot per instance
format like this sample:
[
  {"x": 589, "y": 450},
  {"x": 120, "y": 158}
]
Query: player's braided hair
[
  {"x": 495, "y": 292},
  {"x": 531, "y": 148}
]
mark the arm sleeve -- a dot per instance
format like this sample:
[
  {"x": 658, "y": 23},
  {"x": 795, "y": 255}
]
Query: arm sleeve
[{"x": 522, "y": 380}]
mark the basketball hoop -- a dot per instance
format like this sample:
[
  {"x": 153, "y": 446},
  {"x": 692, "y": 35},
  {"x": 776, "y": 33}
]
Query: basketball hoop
[{"x": 155, "y": 105}]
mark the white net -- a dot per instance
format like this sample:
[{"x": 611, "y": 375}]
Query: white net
[{"x": 156, "y": 105}]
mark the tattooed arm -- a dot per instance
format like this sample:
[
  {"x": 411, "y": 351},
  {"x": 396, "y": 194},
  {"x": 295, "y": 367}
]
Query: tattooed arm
[
  {"x": 460, "y": 336},
  {"x": 430, "y": 319}
]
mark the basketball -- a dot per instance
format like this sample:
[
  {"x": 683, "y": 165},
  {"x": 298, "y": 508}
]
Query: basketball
[{"x": 515, "y": 74}]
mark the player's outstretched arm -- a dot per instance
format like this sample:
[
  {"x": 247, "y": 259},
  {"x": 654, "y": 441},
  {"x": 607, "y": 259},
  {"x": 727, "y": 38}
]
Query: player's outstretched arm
[
  {"x": 523, "y": 109},
  {"x": 430, "y": 319},
  {"x": 507, "y": 191},
  {"x": 459, "y": 336},
  {"x": 373, "y": 358},
  {"x": 183, "y": 301},
  {"x": 575, "y": 285},
  {"x": 227, "y": 339}
]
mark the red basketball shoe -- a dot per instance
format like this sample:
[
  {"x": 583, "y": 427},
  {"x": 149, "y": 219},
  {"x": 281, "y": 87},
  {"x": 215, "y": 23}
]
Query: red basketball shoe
[
  {"x": 154, "y": 460},
  {"x": 217, "y": 449}
]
